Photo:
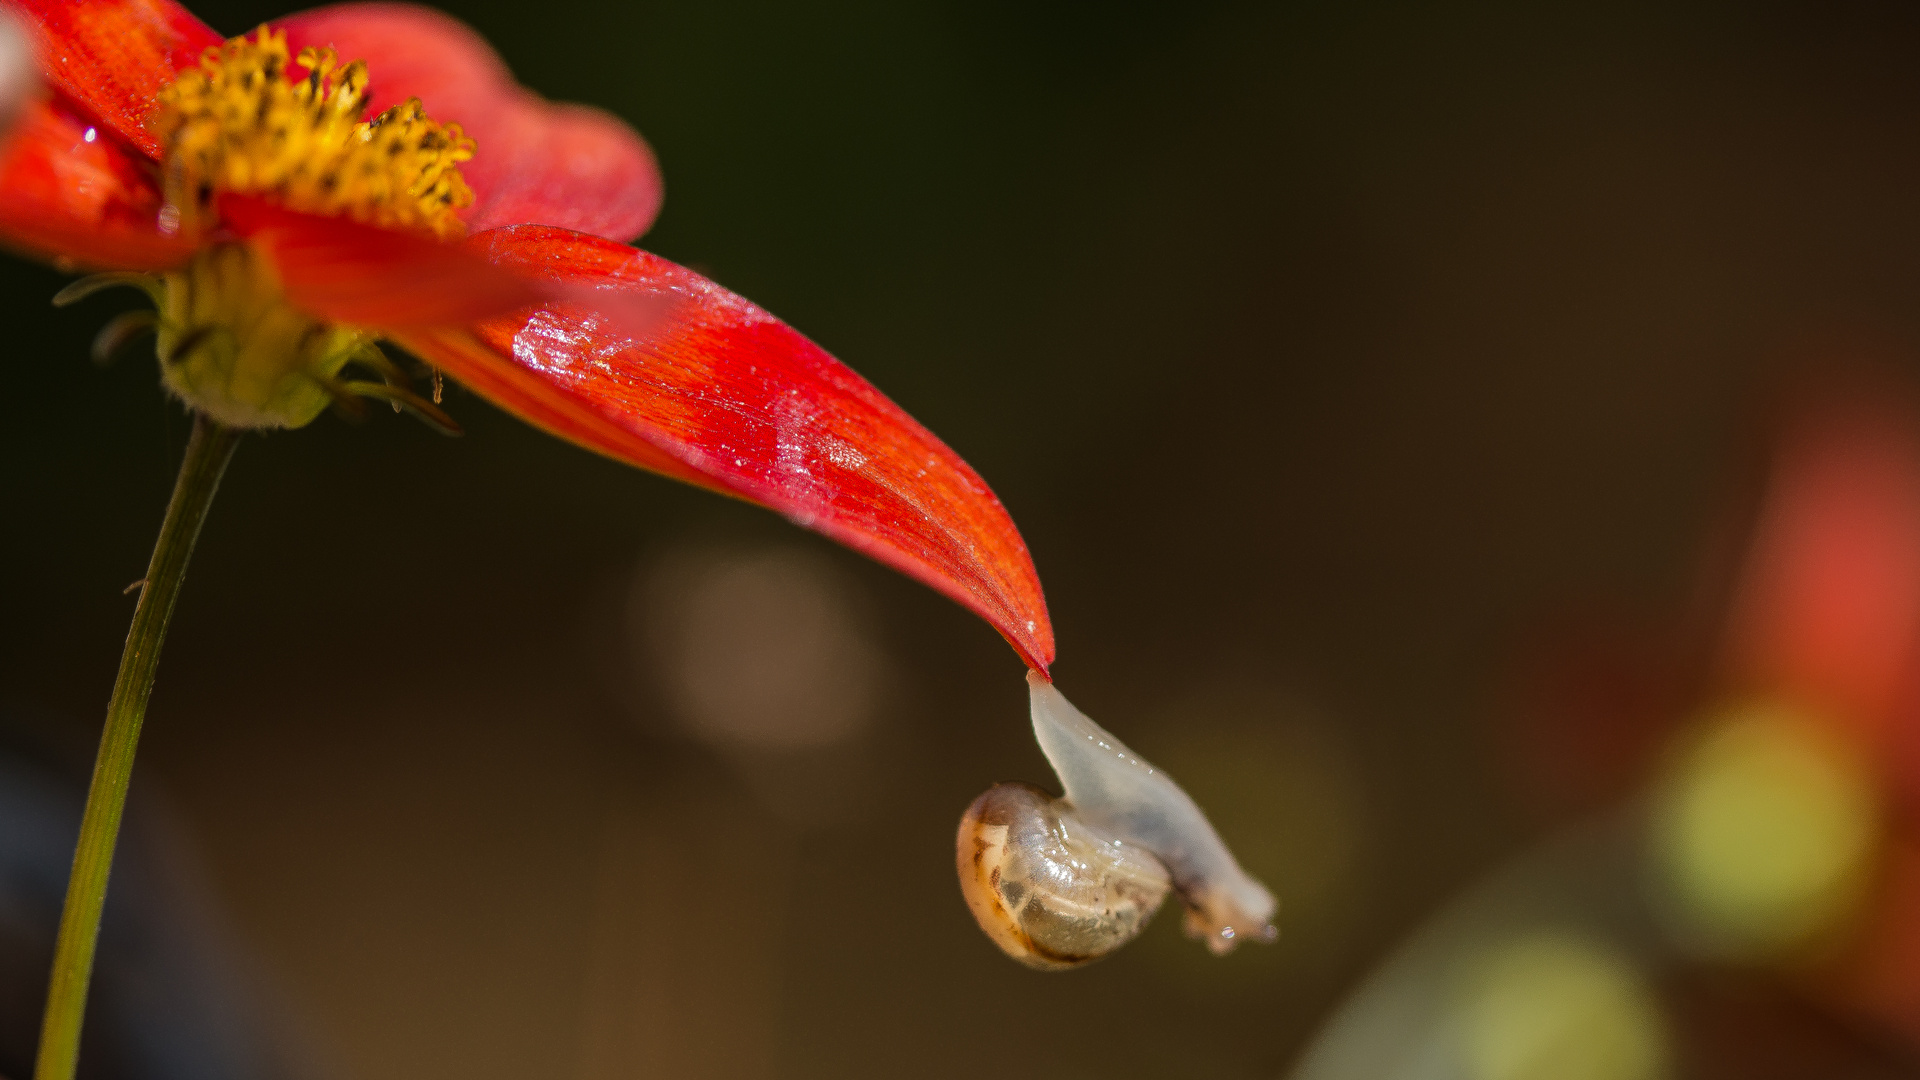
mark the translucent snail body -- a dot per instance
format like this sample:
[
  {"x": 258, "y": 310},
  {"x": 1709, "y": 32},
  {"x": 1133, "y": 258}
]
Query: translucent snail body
[{"x": 1059, "y": 882}]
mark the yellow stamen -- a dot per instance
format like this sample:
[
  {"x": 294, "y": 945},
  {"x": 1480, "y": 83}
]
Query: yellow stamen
[{"x": 249, "y": 121}]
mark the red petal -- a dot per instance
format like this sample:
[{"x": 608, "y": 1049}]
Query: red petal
[
  {"x": 1877, "y": 973},
  {"x": 72, "y": 200},
  {"x": 729, "y": 397},
  {"x": 112, "y": 56},
  {"x": 347, "y": 272},
  {"x": 366, "y": 276},
  {"x": 567, "y": 165},
  {"x": 536, "y": 161}
]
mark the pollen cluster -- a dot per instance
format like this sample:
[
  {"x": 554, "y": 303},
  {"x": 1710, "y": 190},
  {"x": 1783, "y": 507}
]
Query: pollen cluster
[{"x": 249, "y": 120}]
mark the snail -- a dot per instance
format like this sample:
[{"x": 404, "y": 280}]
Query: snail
[{"x": 1058, "y": 883}]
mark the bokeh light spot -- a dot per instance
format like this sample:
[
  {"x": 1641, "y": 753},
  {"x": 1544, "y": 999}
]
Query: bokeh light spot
[
  {"x": 759, "y": 649},
  {"x": 1554, "y": 1006},
  {"x": 1764, "y": 832}
]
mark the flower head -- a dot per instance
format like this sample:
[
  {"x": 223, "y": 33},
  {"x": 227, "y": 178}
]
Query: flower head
[{"x": 370, "y": 172}]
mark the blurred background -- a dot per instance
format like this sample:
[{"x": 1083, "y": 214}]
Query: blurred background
[{"x": 1390, "y": 396}]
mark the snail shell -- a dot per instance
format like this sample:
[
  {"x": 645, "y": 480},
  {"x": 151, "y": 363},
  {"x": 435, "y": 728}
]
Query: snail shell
[
  {"x": 1058, "y": 882},
  {"x": 1052, "y": 891}
]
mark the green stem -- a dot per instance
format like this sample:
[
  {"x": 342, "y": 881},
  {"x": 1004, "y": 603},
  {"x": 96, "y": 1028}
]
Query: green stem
[{"x": 207, "y": 455}]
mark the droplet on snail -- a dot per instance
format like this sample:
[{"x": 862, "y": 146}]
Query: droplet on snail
[{"x": 1058, "y": 883}]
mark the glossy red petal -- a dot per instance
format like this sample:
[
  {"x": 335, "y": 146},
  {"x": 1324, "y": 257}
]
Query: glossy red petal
[
  {"x": 729, "y": 397},
  {"x": 112, "y": 56},
  {"x": 536, "y": 161},
  {"x": 80, "y": 201}
]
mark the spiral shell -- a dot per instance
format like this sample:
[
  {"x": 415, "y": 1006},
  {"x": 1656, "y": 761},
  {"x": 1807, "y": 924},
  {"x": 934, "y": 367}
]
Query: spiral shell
[{"x": 1052, "y": 891}]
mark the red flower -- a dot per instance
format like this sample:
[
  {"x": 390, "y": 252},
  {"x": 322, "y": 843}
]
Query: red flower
[{"x": 483, "y": 229}]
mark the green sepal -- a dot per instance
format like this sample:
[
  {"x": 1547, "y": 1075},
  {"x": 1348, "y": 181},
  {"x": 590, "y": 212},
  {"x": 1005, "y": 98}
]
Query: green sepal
[{"x": 77, "y": 291}]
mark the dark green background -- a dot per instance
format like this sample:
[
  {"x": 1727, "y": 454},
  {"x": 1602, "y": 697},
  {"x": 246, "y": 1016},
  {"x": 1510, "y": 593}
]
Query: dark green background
[{"x": 1327, "y": 350}]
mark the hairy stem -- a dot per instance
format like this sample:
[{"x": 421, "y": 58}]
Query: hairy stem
[{"x": 207, "y": 455}]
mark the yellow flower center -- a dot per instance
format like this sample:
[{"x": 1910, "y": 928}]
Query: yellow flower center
[{"x": 248, "y": 120}]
